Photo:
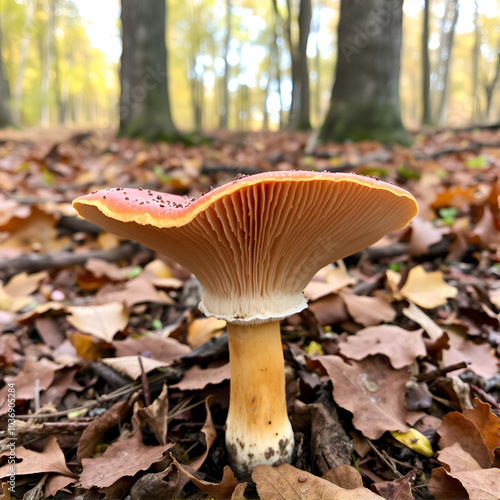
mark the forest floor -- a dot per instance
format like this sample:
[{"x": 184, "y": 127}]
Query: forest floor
[{"x": 115, "y": 386}]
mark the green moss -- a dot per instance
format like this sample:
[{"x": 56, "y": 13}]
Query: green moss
[{"x": 365, "y": 121}]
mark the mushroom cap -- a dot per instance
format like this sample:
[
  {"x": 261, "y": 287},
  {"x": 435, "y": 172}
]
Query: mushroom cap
[{"x": 254, "y": 243}]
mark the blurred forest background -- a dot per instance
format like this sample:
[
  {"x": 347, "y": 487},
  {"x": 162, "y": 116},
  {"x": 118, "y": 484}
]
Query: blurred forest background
[{"x": 230, "y": 62}]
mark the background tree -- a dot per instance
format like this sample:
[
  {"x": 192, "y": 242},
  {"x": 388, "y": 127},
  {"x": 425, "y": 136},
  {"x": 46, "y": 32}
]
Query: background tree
[
  {"x": 5, "y": 114},
  {"x": 144, "y": 99},
  {"x": 365, "y": 96},
  {"x": 426, "y": 67}
]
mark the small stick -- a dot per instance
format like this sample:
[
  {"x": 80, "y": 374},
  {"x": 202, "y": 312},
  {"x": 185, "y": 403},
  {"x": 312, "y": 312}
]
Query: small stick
[
  {"x": 145, "y": 384},
  {"x": 386, "y": 462},
  {"x": 434, "y": 374},
  {"x": 36, "y": 399}
]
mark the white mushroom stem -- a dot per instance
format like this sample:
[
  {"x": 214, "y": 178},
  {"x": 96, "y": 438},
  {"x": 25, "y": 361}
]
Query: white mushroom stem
[{"x": 258, "y": 430}]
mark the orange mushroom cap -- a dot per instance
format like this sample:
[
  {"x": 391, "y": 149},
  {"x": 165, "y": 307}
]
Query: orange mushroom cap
[{"x": 256, "y": 242}]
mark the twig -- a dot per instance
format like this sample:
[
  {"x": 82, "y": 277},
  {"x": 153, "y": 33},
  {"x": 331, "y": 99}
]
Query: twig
[
  {"x": 145, "y": 384},
  {"x": 121, "y": 392},
  {"x": 434, "y": 374},
  {"x": 38, "y": 262},
  {"x": 386, "y": 462}
]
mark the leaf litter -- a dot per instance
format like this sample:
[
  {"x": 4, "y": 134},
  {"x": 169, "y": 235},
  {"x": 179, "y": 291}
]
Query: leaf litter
[{"x": 122, "y": 385}]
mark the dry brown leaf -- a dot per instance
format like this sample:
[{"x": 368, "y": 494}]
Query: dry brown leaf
[
  {"x": 222, "y": 490},
  {"x": 328, "y": 280},
  {"x": 445, "y": 487},
  {"x": 51, "y": 459},
  {"x": 455, "y": 459},
  {"x": 399, "y": 489},
  {"x": 423, "y": 235},
  {"x": 155, "y": 416},
  {"x": 202, "y": 329},
  {"x": 413, "y": 312},
  {"x": 197, "y": 378},
  {"x": 94, "y": 433},
  {"x": 56, "y": 483},
  {"x": 427, "y": 290},
  {"x": 125, "y": 457},
  {"x": 345, "y": 476},
  {"x": 161, "y": 348},
  {"x": 25, "y": 381},
  {"x": 285, "y": 482},
  {"x": 368, "y": 311},
  {"x": 372, "y": 391},
  {"x": 456, "y": 428},
  {"x": 401, "y": 346},
  {"x": 101, "y": 321},
  {"x": 136, "y": 291},
  {"x": 210, "y": 433},
  {"x": 482, "y": 359},
  {"x": 480, "y": 484},
  {"x": 130, "y": 366},
  {"x": 486, "y": 422}
]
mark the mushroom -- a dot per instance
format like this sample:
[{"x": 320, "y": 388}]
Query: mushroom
[{"x": 254, "y": 244}]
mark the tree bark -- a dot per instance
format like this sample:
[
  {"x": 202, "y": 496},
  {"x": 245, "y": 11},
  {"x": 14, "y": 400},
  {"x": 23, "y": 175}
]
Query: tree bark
[
  {"x": 144, "y": 101},
  {"x": 426, "y": 67},
  {"x": 5, "y": 114},
  {"x": 364, "y": 103}
]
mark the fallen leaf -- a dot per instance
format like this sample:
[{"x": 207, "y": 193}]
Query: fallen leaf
[
  {"x": 427, "y": 290},
  {"x": 197, "y": 378},
  {"x": 155, "y": 416},
  {"x": 94, "y": 433},
  {"x": 482, "y": 359},
  {"x": 221, "y": 490},
  {"x": 125, "y": 457},
  {"x": 456, "y": 428},
  {"x": 455, "y": 459},
  {"x": 161, "y": 348},
  {"x": 423, "y": 235},
  {"x": 414, "y": 440},
  {"x": 26, "y": 380},
  {"x": 486, "y": 422},
  {"x": 413, "y": 312},
  {"x": 401, "y": 346},
  {"x": 210, "y": 433},
  {"x": 56, "y": 483},
  {"x": 101, "y": 321},
  {"x": 328, "y": 280},
  {"x": 399, "y": 489},
  {"x": 372, "y": 391},
  {"x": 51, "y": 459},
  {"x": 285, "y": 482},
  {"x": 129, "y": 365},
  {"x": 368, "y": 311},
  {"x": 473, "y": 485},
  {"x": 202, "y": 329},
  {"x": 345, "y": 476}
]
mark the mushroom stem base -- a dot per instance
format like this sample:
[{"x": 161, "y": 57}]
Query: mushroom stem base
[{"x": 258, "y": 430}]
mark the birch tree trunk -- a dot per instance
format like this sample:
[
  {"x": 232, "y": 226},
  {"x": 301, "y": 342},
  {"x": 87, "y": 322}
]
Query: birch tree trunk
[{"x": 47, "y": 65}]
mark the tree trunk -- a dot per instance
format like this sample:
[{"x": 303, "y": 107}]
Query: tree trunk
[
  {"x": 144, "y": 100},
  {"x": 364, "y": 103},
  {"x": 447, "y": 37},
  {"x": 23, "y": 49},
  {"x": 5, "y": 114},
  {"x": 224, "y": 112},
  {"x": 426, "y": 67},
  {"x": 476, "y": 54},
  {"x": 47, "y": 65},
  {"x": 490, "y": 88}
]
